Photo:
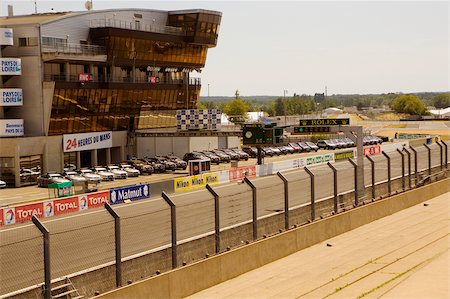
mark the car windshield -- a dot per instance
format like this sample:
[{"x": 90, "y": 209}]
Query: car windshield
[
  {"x": 86, "y": 171},
  {"x": 113, "y": 167},
  {"x": 71, "y": 173},
  {"x": 100, "y": 169},
  {"x": 126, "y": 166},
  {"x": 54, "y": 175}
]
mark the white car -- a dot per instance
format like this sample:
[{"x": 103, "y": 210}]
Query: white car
[
  {"x": 118, "y": 173},
  {"x": 132, "y": 172},
  {"x": 104, "y": 173},
  {"x": 90, "y": 175},
  {"x": 74, "y": 177},
  {"x": 2, "y": 184}
]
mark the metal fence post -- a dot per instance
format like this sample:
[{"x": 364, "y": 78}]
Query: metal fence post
[
  {"x": 403, "y": 169},
  {"x": 429, "y": 158},
  {"x": 286, "y": 199},
  {"x": 216, "y": 216},
  {"x": 356, "y": 181},
  {"x": 372, "y": 163},
  {"x": 446, "y": 153},
  {"x": 415, "y": 164},
  {"x": 440, "y": 155},
  {"x": 388, "y": 171},
  {"x": 335, "y": 188},
  {"x": 47, "y": 272},
  {"x": 254, "y": 208},
  {"x": 409, "y": 167},
  {"x": 173, "y": 221},
  {"x": 313, "y": 201},
  {"x": 117, "y": 244}
]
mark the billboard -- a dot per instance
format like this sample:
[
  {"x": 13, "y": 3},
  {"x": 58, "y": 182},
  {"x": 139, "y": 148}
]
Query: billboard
[
  {"x": 197, "y": 119},
  {"x": 10, "y": 66},
  {"x": 136, "y": 192},
  {"x": 26, "y": 212},
  {"x": 11, "y": 97},
  {"x": 11, "y": 127},
  {"x": 237, "y": 174},
  {"x": 195, "y": 182},
  {"x": 86, "y": 141},
  {"x": 6, "y": 37},
  {"x": 9, "y": 216},
  {"x": 372, "y": 150},
  {"x": 93, "y": 200}
]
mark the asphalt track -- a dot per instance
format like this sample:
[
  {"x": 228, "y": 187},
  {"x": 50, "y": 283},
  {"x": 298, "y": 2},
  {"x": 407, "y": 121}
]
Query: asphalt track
[
  {"x": 86, "y": 240},
  {"x": 405, "y": 255}
]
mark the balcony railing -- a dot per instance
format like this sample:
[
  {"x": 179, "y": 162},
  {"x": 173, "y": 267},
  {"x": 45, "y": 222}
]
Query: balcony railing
[
  {"x": 116, "y": 23},
  {"x": 74, "y": 49},
  {"x": 116, "y": 79}
]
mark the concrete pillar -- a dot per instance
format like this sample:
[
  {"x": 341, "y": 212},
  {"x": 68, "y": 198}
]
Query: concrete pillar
[
  {"x": 94, "y": 159},
  {"x": 78, "y": 159},
  {"x": 67, "y": 71},
  {"x": 122, "y": 153},
  {"x": 45, "y": 159},
  {"x": 17, "y": 166},
  {"x": 108, "y": 156}
]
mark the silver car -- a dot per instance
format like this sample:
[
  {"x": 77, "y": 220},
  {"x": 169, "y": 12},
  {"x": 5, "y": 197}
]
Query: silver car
[
  {"x": 2, "y": 184},
  {"x": 118, "y": 173},
  {"x": 74, "y": 177},
  {"x": 104, "y": 173},
  {"x": 132, "y": 172},
  {"x": 90, "y": 176}
]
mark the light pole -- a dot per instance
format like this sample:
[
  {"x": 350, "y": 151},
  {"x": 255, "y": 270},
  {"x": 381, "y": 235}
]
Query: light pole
[
  {"x": 208, "y": 91},
  {"x": 284, "y": 105}
]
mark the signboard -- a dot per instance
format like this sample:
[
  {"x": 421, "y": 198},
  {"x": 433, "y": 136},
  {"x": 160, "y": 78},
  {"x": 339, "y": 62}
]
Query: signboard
[
  {"x": 86, "y": 141},
  {"x": 11, "y": 97},
  {"x": 344, "y": 155},
  {"x": 10, "y": 66},
  {"x": 195, "y": 182},
  {"x": 66, "y": 205},
  {"x": 325, "y": 122},
  {"x": 253, "y": 134},
  {"x": 198, "y": 119},
  {"x": 319, "y": 159},
  {"x": 6, "y": 37},
  {"x": 237, "y": 174},
  {"x": 93, "y": 200},
  {"x": 152, "y": 79},
  {"x": 372, "y": 150},
  {"x": 26, "y": 212},
  {"x": 11, "y": 127},
  {"x": 136, "y": 192},
  {"x": 86, "y": 77},
  {"x": 306, "y": 130},
  {"x": 1, "y": 218},
  {"x": 9, "y": 216}
]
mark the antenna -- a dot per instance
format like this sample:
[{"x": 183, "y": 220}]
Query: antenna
[
  {"x": 88, "y": 4},
  {"x": 35, "y": 6}
]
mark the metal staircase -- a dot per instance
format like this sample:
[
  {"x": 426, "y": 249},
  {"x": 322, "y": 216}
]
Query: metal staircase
[{"x": 66, "y": 291}]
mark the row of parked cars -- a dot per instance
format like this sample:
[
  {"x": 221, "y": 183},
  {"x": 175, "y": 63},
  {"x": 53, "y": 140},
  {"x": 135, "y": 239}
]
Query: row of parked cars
[
  {"x": 347, "y": 142},
  {"x": 218, "y": 156},
  {"x": 131, "y": 168}
]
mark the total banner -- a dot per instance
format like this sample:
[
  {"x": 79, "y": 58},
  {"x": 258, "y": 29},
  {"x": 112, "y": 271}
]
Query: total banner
[
  {"x": 1, "y": 218},
  {"x": 9, "y": 216},
  {"x": 136, "y": 192},
  {"x": 86, "y": 141},
  {"x": 372, "y": 150},
  {"x": 195, "y": 182},
  {"x": 93, "y": 200},
  {"x": 26, "y": 212},
  {"x": 237, "y": 174}
]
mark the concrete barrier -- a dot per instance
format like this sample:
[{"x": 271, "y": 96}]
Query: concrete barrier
[{"x": 211, "y": 271}]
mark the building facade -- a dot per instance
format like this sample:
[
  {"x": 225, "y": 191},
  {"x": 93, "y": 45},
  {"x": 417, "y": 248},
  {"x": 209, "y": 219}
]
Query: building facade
[{"x": 114, "y": 71}]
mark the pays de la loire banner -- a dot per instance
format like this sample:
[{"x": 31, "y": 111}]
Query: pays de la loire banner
[{"x": 86, "y": 141}]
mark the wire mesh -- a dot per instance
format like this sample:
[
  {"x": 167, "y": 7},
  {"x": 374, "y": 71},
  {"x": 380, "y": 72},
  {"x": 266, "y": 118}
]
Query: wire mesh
[
  {"x": 381, "y": 168},
  {"x": 323, "y": 182},
  {"x": 346, "y": 176},
  {"x": 299, "y": 187},
  {"x": 235, "y": 204},
  {"x": 270, "y": 195},
  {"x": 396, "y": 164},
  {"x": 435, "y": 155},
  {"x": 21, "y": 258},
  {"x": 367, "y": 173},
  {"x": 422, "y": 158}
]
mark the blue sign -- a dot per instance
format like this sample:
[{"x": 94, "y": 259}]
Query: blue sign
[{"x": 136, "y": 192}]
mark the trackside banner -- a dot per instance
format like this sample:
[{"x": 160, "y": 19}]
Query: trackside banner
[
  {"x": 86, "y": 141},
  {"x": 195, "y": 182},
  {"x": 137, "y": 192}
]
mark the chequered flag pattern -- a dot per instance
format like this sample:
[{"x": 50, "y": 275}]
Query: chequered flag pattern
[{"x": 196, "y": 119}]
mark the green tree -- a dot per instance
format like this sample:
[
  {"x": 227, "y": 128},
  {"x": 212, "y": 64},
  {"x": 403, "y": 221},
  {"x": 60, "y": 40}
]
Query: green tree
[
  {"x": 280, "y": 107},
  {"x": 410, "y": 104},
  {"x": 441, "y": 100},
  {"x": 237, "y": 108},
  {"x": 201, "y": 106}
]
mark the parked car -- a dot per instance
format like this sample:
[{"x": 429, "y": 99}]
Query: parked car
[
  {"x": 157, "y": 166},
  {"x": 233, "y": 155},
  {"x": 74, "y": 177},
  {"x": 130, "y": 170},
  {"x": 70, "y": 167},
  {"x": 377, "y": 140},
  {"x": 168, "y": 165},
  {"x": 243, "y": 155},
  {"x": 181, "y": 164},
  {"x": 118, "y": 173},
  {"x": 251, "y": 151},
  {"x": 276, "y": 150},
  {"x": 268, "y": 151},
  {"x": 290, "y": 149},
  {"x": 213, "y": 157},
  {"x": 223, "y": 157},
  {"x": 339, "y": 143},
  {"x": 2, "y": 184},
  {"x": 305, "y": 147},
  {"x": 194, "y": 156},
  {"x": 326, "y": 144},
  {"x": 312, "y": 146},
  {"x": 296, "y": 147},
  {"x": 28, "y": 175},
  {"x": 90, "y": 175},
  {"x": 104, "y": 173},
  {"x": 142, "y": 166},
  {"x": 348, "y": 141},
  {"x": 49, "y": 178}
]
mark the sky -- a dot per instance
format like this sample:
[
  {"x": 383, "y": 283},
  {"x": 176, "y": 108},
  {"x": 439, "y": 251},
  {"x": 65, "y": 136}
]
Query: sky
[{"x": 275, "y": 48}]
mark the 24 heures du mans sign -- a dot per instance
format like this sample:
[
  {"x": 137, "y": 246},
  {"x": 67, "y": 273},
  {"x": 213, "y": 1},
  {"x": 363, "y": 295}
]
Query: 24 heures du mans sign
[{"x": 325, "y": 122}]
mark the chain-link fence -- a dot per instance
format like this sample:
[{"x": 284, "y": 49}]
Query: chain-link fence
[{"x": 141, "y": 239}]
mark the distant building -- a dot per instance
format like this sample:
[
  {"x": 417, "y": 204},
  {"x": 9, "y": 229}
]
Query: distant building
[
  {"x": 319, "y": 97},
  {"x": 440, "y": 113}
]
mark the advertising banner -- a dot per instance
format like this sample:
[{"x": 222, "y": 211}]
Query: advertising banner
[
  {"x": 26, "y": 212},
  {"x": 9, "y": 216},
  {"x": 6, "y": 37},
  {"x": 372, "y": 150},
  {"x": 86, "y": 141},
  {"x": 344, "y": 155},
  {"x": 11, "y": 97},
  {"x": 1, "y": 218},
  {"x": 10, "y": 66},
  {"x": 66, "y": 205},
  {"x": 137, "y": 192},
  {"x": 319, "y": 159},
  {"x": 93, "y": 200},
  {"x": 195, "y": 182},
  {"x": 11, "y": 127},
  {"x": 237, "y": 174}
]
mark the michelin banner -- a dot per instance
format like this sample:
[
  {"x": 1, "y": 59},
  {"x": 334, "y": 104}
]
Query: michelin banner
[{"x": 137, "y": 192}]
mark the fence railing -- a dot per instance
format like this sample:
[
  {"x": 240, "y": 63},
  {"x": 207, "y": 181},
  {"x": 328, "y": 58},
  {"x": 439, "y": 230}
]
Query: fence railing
[
  {"x": 209, "y": 220},
  {"x": 75, "y": 49},
  {"x": 136, "y": 25}
]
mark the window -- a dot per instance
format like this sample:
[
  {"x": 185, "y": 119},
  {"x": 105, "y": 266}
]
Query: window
[{"x": 28, "y": 41}]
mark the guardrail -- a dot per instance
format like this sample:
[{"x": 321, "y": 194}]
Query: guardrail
[{"x": 217, "y": 217}]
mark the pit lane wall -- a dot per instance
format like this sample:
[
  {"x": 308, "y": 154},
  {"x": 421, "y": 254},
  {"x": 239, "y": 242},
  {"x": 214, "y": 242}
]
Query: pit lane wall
[{"x": 22, "y": 213}]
